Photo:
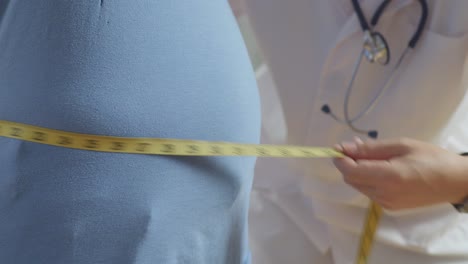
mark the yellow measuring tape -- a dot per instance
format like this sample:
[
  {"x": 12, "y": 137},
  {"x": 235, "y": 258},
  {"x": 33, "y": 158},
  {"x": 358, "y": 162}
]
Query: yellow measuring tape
[
  {"x": 367, "y": 237},
  {"x": 180, "y": 147}
]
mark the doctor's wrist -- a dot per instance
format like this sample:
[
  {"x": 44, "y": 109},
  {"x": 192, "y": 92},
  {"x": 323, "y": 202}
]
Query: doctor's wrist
[
  {"x": 462, "y": 203},
  {"x": 465, "y": 175}
]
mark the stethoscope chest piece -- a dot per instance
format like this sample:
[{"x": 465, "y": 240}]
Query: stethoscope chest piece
[{"x": 376, "y": 48}]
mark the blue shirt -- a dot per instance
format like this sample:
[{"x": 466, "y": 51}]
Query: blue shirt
[{"x": 139, "y": 68}]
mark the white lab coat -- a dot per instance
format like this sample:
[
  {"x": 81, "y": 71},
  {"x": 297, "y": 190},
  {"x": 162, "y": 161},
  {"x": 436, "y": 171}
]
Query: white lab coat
[{"x": 310, "y": 47}]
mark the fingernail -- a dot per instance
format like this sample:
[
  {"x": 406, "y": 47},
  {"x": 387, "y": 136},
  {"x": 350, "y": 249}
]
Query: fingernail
[
  {"x": 349, "y": 147},
  {"x": 338, "y": 147}
]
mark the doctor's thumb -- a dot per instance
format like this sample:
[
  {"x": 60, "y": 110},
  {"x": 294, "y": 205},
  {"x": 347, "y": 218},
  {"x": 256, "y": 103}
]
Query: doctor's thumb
[{"x": 375, "y": 149}]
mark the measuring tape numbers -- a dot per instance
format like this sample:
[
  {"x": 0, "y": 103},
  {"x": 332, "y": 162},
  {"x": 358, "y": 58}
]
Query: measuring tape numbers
[
  {"x": 155, "y": 146},
  {"x": 180, "y": 147}
]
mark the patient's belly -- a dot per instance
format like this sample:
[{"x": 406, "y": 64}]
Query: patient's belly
[
  {"x": 147, "y": 68},
  {"x": 125, "y": 68}
]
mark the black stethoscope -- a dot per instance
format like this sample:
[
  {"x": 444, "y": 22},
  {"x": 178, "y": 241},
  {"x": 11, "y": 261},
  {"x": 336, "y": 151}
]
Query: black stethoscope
[{"x": 375, "y": 49}]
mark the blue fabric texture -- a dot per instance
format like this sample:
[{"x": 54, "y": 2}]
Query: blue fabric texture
[{"x": 139, "y": 68}]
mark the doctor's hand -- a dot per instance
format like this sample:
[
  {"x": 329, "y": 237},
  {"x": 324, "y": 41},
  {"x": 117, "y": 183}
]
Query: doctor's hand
[{"x": 404, "y": 173}]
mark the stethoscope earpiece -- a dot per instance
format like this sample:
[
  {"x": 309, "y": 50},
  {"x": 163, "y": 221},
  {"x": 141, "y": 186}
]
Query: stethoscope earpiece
[
  {"x": 373, "y": 134},
  {"x": 327, "y": 110}
]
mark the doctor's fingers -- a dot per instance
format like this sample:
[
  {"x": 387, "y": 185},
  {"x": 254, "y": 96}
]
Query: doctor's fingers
[
  {"x": 368, "y": 191},
  {"x": 365, "y": 172},
  {"x": 377, "y": 149},
  {"x": 385, "y": 200}
]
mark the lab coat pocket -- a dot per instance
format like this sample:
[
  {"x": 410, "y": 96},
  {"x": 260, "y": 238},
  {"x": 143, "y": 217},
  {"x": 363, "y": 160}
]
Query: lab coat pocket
[{"x": 434, "y": 230}]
